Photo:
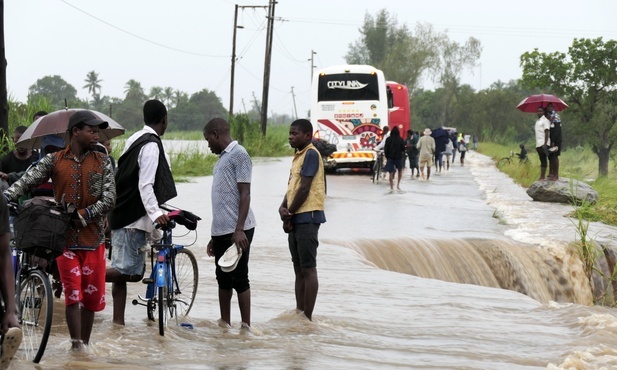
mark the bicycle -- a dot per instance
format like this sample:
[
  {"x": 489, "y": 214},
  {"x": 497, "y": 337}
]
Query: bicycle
[
  {"x": 508, "y": 160},
  {"x": 378, "y": 167},
  {"x": 34, "y": 299},
  {"x": 172, "y": 285}
]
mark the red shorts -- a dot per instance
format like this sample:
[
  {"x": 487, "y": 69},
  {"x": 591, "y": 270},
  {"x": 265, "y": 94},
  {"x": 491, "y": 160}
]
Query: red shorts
[{"x": 83, "y": 277}]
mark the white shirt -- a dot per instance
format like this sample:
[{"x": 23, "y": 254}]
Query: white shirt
[
  {"x": 234, "y": 166},
  {"x": 148, "y": 161},
  {"x": 541, "y": 124},
  {"x": 382, "y": 144}
]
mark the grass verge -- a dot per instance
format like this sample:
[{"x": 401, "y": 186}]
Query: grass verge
[{"x": 578, "y": 163}]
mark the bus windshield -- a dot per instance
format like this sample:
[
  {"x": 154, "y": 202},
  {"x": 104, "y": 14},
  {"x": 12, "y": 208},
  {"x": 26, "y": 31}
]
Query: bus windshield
[{"x": 348, "y": 87}]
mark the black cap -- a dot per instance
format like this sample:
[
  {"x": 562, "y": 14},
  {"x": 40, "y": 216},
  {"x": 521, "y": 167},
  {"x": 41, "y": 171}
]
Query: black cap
[{"x": 88, "y": 118}]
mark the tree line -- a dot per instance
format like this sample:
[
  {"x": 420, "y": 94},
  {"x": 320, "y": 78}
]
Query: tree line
[
  {"x": 186, "y": 111},
  {"x": 585, "y": 77}
]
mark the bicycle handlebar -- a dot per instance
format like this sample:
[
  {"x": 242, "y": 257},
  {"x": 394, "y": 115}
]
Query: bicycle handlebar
[{"x": 184, "y": 218}]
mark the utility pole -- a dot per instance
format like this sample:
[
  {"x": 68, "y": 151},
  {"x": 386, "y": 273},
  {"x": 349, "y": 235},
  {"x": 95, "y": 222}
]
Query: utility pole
[
  {"x": 244, "y": 105},
  {"x": 293, "y": 96},
  {"x": 267, "y": 63},
  {"x": 4, "y": 104},
  {"x": 312, "y": 59},
  {"x": 233, "y": 54},
  {"x": 233, "y": 65},
  {"x": 255, "y": 103}
]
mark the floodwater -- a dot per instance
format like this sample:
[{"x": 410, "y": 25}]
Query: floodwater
[{"x": 407, "y": 280}]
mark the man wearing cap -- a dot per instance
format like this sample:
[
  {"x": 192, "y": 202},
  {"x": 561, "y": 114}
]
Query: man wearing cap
[
  {"x": 144, "y": 181},
  {"x": 83, "y": 177},
  {"x": 426, "y": 145}
]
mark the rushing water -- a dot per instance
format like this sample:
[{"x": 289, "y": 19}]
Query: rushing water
[{"x": 407, "y": 280}]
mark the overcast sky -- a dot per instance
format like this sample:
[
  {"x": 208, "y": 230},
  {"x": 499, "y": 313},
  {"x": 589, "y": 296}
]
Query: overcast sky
[{"x": 186, "y": 44}]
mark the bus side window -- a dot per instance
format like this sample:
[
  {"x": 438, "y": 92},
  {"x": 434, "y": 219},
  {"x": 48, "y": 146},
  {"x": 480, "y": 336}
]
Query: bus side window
[{"x": 390, "y": 98}]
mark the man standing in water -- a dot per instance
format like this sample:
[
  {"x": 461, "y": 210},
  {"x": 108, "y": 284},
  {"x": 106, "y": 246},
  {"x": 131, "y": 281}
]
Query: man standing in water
[
  {"x": 144, "y": 181},
  {"x": 542, "y": 127},
  {"x": 233, "y": 222},
  {"x": 426, "y": 145},
  {"x": 83, "y": 177},
  {"x": 302, "y": 212}
]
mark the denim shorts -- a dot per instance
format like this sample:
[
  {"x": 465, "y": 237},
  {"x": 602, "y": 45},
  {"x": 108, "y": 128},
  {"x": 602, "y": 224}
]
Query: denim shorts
[{"x": 128, "y": 253}]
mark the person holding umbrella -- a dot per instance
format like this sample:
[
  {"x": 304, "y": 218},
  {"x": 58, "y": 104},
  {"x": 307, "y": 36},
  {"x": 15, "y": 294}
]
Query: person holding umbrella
[
  {"x": 555, "y": 142},
  {"x": 542, "y": 127},
  {"x": 83, "y": 177}
]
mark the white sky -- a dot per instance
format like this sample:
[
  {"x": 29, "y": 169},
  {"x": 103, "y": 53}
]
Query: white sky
[{"x": 186, "y": 44}]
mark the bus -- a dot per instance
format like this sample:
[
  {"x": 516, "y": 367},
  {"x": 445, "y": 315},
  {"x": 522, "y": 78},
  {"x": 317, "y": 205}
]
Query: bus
[
  {"x": 349, "y": 105},
  {"x": 399, "y": 108}
]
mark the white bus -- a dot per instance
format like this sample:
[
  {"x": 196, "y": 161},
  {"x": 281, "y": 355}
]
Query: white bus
[{"x": 349, "y": 106}]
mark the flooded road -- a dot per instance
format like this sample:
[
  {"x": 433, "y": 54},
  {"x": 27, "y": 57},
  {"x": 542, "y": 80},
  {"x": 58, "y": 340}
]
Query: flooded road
[{"x": 407, "y": 280}]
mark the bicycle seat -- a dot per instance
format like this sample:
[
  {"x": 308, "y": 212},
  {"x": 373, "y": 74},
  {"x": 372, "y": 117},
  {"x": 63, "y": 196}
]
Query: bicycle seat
[{"x": 184, "y": 218}]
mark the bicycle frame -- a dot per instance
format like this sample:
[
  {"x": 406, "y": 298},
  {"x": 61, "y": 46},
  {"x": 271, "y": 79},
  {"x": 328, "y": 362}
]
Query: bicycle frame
[
  {"x": 162, "y": 275},
  {"x": 172, "y": 283}
]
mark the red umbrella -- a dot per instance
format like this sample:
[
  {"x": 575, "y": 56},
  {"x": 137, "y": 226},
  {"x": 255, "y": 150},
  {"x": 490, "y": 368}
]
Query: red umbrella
[
  {"x": 57, "y": 123},
  {"x": 531, "y": 103}
]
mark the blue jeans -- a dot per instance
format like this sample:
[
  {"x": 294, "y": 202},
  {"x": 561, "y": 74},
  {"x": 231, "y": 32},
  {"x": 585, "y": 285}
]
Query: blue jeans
[{"x": 128, "y": 254}]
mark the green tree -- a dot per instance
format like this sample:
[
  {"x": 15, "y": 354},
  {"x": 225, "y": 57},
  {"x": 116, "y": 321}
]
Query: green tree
[
  {"x": 129, "y": 112},
  {"x": 92, "y": 83},
  {"x": 586, "y": 79},
  {"x": 55, "y": 90},
  {"x": 156, "y": 92},
  {"x": 208, "y": 104},
  {"x": 168, "y": 95},
  {"x": 133, "y": 90},
  {"x": 402, "y": 55},
  {"x": 180, "y": 97},
  {"x": 453, "y": 60}
]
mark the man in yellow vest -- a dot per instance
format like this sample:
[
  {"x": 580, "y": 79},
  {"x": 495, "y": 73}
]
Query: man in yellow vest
[{"x": 302, "y": 212}]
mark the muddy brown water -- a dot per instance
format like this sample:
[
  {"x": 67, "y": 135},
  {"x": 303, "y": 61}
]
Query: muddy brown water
[{"x": 407, "y": 280}]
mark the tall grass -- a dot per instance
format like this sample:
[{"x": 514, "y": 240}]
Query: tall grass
[
  {"x": 578, "y": 163},
  {"x": 192, "y": 162}
]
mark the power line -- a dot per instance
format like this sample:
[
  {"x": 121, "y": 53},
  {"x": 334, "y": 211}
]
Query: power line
[
  {"x": 142, "y": 38},
  {"x": 487, "y": 30}
]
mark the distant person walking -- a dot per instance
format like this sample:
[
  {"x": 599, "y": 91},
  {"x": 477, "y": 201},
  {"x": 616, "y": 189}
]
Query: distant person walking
[
  {"x": 394, "y": 152},
  {"x": 448, "y": 154},
  {"x": 302, "y": 212},
  {"x": 412, "y": 152},
  {"x": 233, "y": 222},
  {"x": 475, "y": 141},
  {"x": 462, "y": 148},
  {"x": 426, "y": 145},
  {"x": 541, "y": 128},
  {"x": 454, "y": 140}
]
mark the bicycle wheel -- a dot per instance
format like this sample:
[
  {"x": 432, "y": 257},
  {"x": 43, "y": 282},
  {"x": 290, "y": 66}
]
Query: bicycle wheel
[
  {"x": 35, "y": 300},
  {"x": 377, "y": 170},
  {"x": 162, "y": 303},
  {"x": 186, "y": 276}
]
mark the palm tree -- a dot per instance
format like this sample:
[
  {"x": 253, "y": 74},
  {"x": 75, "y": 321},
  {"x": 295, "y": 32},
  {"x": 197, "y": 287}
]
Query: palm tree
[
  {"x": 168, "y": 95},
  {"x": 92, "y": 83},
  {"x": 133, "y": 88},
  {"x": 156, "y": 92},
  {"x": 180, "y": 97}
]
